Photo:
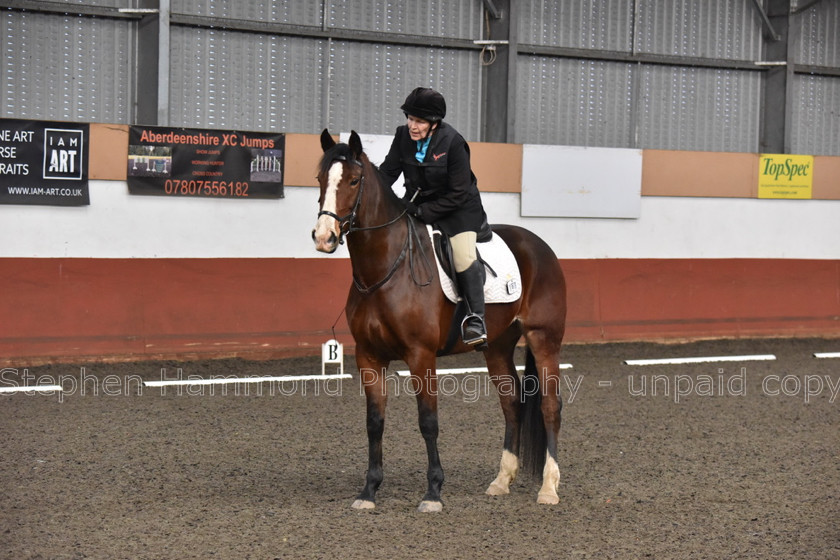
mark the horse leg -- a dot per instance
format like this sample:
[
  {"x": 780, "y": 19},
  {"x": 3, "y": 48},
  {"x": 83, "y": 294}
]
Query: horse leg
[
  {"x": 546, "y": 350},
  {"x": 502, "y": 371},
  {"x": 424, "y": 380},
  {"x": 372, "y": 373}
]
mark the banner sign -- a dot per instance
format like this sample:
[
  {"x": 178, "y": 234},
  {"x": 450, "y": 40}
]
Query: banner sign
[
  {"x": 785, "y": 176},
  {"x": 205, "y": 163},
  {"x": 44, "y": 163}
]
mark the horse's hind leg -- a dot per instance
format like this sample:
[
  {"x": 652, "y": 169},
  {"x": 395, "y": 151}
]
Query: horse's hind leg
[
  {"x": 545, "y": 346},
  {"x": 502, "y": 371}
]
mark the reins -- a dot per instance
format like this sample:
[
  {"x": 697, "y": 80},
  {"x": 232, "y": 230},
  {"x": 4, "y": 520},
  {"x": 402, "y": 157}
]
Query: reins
[{"x": 412, "y": 238}]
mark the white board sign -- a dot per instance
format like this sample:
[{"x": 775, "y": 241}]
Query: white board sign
[{"x": 579, "y": 182}]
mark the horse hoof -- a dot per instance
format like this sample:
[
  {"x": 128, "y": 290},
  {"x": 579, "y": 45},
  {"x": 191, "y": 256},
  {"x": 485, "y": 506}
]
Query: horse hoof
[
  {"x": 427, "y": 506},
  {"x": 546, "y": 498},
  {"x": 496, "y": 489},
  {"x": 363, "y": 504}
]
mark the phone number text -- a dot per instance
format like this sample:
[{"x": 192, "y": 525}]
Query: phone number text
[{"x": 194, "y": 187}]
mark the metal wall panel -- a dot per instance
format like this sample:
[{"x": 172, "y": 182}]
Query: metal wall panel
[
  {"x": 686, "y": 108},
  {"x": 102, "y": 3},
  {"x": 64, "y": 67},
  {"x": 223, "y": 79},
  {"x": 591, "y": 103},
  {"x": 435, "y": 18},
  {"x": 815, "y": 111},
  {"x": 817, "y": 35},
  {"x": 262, "y": 82},
  {"x": 815, "y": 126},
  {"x": 726, "y": 29},
  {"x": 596, "y": 103},
  {"x": 588, "y": 24},
  {"x": 369, "y": 82},
  {"x": 298, "y": 12},
  {"x": 574, "y": 102}
]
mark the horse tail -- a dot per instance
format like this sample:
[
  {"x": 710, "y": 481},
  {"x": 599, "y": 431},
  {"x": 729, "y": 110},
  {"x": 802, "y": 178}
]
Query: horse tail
[{"x": 533, "y": 439}]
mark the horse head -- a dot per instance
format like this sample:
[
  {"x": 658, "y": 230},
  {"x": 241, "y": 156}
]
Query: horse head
[{"x": 341, "y": 181}]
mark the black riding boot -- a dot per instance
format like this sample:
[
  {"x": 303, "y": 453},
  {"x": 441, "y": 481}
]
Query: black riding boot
[{"x": 471, "y": 283}]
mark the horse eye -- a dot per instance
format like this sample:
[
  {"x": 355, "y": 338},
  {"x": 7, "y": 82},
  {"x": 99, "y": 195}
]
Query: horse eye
[{"x": 354, "y": 182}]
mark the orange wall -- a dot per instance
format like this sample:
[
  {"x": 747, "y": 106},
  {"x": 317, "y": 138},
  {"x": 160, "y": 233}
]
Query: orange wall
[
  {"x": 99, "y": 309},
  {"x": 90, "y": 308},
  {"x": 499, "y": 167}
]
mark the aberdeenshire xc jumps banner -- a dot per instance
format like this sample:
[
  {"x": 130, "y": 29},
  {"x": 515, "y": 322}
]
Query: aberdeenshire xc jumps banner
[
  {"x": 207, "y": 163},
  {"x": 44, "y": 163}
]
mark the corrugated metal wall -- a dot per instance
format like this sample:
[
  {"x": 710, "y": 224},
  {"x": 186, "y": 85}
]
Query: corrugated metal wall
[
  {"x": 815, "y": 112},
  {"x": 588, "y": 24},
  {"x": 67, "y": 67},
  {"x": 63, "y": 67},
  {"x": 726, "y": 29},
  {"x": 263, "y": 82},
  {"x": 601, "y": 103},
  {"x": 244, "y": 81}
]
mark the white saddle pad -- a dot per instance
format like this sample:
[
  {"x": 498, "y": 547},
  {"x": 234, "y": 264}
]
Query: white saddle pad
[{"x": 505, "y": 287}]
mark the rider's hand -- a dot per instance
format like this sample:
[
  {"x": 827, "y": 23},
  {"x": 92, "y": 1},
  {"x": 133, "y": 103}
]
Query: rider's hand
[{"x": 414, "y": 210}]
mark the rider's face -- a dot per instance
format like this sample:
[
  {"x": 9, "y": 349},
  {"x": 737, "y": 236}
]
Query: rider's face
[{"x": 418, "y": 129}]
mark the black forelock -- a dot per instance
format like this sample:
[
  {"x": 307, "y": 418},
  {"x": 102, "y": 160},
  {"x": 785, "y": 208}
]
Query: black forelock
[{"x": 334, "y": 153}]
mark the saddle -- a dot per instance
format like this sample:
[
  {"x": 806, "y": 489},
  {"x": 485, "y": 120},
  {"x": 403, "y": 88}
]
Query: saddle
[{"x": 503, "y": 283}]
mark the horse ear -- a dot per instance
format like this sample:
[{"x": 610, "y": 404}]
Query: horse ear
[
  {"x": 327, "y": 141},
  {"x": 355, "y": 144}
]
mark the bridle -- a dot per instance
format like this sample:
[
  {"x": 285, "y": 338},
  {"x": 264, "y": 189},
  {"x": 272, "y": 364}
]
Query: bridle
[
  {"x": 346, "y": 227},
  {"x": 348, "y": 219}
]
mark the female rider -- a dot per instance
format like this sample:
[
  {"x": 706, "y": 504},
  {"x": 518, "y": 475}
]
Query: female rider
[{"x": 441, "y": 189}]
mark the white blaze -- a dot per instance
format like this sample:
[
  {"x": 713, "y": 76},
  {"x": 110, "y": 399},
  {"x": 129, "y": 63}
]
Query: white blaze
[{"x": 327, "y": 224}]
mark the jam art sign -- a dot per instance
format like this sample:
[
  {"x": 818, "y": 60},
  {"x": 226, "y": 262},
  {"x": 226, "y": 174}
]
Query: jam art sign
[{"x": 44, "y": 163}]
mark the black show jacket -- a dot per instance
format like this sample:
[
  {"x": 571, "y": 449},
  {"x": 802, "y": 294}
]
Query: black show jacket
[{"x": 446, "y": 188}]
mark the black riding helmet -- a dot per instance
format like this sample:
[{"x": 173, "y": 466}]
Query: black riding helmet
[{"x": 425, "y": 103}]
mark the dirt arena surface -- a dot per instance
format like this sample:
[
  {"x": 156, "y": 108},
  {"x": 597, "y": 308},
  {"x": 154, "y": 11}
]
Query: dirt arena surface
[{"x": 115, "y": 469}]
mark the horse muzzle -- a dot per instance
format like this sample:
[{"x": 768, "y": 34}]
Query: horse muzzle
[{"x": 325, "y": 238}]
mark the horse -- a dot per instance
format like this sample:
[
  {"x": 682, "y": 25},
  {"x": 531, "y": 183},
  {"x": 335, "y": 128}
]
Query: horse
[{"x": 396, "y": 310}]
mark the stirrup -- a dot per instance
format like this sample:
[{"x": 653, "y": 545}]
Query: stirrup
[{"x": 481, "y": 338}]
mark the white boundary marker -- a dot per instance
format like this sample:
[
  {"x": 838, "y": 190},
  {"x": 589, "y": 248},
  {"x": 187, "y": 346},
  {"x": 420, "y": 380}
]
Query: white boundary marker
[
  {"x": 700, "y": 360},
  {"x": 234, "y": 380},
  {"x": 30, "y": 388},
  {"x": 457, "y": 371},
  {"x": 827, "y": 354},
  {"x": 332, "y": 352}
]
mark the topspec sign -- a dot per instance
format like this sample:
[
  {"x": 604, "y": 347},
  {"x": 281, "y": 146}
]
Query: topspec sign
[
  {"x": 785, "y": 176},
  {"x": 43, "y": 163}
]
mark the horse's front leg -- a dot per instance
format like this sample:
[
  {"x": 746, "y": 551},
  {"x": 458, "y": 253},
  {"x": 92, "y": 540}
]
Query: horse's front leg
[
  {"x": 372, "y": 374},
  {"x": 424, "y": 380}
]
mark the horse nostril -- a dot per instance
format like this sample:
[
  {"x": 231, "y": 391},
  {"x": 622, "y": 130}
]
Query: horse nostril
[
  {"x": 313, "y": 235},
  {"x": 332, "y": 238}
]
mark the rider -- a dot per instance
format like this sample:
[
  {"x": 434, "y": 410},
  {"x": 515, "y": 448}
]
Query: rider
[{"x": 441, "y": 189}]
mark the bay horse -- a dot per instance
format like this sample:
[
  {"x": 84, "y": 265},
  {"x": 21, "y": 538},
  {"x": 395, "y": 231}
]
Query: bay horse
[{"x": 397, "y": 310}]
